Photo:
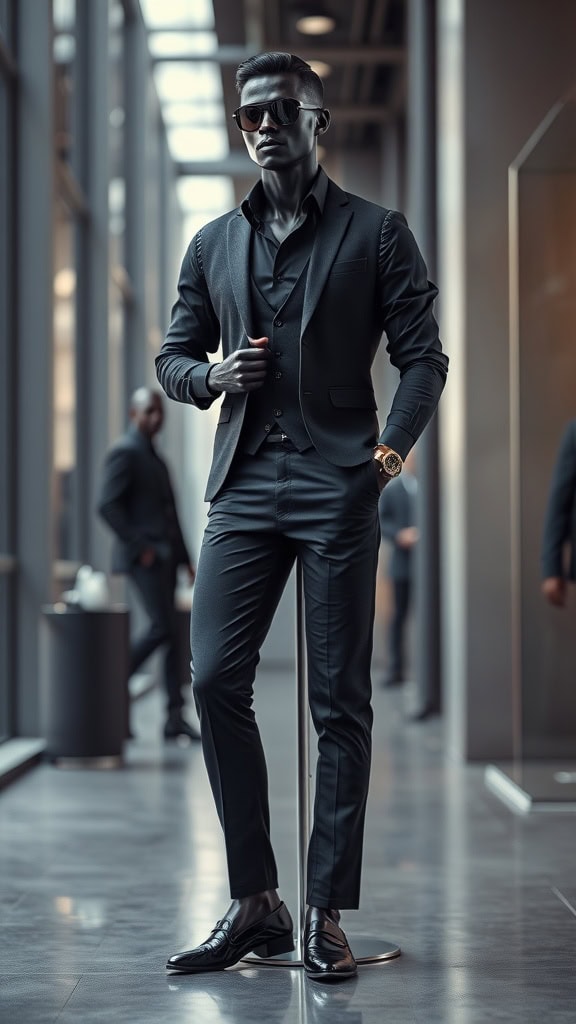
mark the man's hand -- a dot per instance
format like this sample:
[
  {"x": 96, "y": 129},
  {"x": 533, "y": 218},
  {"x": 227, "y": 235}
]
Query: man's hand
[
  {"x": 243, "y": 370},
  {"x": 407, "y": 537},
  {"x": 554, "y": 590},
  {"x": 191, "y": 572},
  {"x": 147, "y": 557},
  {"x": 381, "y": 477}
]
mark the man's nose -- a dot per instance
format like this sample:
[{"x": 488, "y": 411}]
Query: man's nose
[{"x": 268, "y": 122}]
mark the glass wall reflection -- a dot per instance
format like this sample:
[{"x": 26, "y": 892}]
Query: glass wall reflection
[{"x": 544, "y": 189}]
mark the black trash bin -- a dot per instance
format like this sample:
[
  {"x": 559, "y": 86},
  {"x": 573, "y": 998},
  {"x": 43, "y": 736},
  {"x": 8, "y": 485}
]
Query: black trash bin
[{"x": 84, "y": 659}]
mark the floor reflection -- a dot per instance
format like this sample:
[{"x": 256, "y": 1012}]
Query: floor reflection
[{"x": 272, "y": 995}]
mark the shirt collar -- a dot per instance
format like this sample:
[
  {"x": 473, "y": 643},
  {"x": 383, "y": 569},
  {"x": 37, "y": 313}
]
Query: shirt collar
[{"x": 253, "y": 204}]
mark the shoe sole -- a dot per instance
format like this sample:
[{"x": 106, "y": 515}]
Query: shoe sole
[{"x": 331, "y": 975}]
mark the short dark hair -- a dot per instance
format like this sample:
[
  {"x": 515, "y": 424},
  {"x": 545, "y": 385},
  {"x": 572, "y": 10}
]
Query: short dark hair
[{"x": 280, "y": 64}]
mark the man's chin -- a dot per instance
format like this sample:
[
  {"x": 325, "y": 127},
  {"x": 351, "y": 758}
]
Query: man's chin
[{"x": 271, "y": 159}]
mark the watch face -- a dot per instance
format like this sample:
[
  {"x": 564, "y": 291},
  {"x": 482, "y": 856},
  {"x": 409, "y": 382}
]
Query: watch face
[{"x": 392, "y": 464}]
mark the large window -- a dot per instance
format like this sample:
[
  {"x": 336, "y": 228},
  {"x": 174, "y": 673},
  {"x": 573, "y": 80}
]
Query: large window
[
  {"x": 69, "y": 206},
  {"x": 64, "y": 540},
  {"x": 64, "y": 13},
  {"x": 119, "y": 284}
]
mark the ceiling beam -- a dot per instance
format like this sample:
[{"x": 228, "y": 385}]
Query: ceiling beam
[{"x": 343, "y": 55}]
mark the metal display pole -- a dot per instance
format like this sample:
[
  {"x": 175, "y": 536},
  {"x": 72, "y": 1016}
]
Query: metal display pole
[{"x": 366, "y": 949}]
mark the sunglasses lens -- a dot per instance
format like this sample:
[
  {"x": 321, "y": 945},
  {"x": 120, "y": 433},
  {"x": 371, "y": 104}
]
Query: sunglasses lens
[
  {"x": 250, "y": 118},
  {"x": 283, "y": 113}
]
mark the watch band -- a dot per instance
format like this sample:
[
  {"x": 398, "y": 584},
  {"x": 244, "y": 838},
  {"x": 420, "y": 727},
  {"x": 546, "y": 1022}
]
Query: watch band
[{"x": 390, "y": 462}]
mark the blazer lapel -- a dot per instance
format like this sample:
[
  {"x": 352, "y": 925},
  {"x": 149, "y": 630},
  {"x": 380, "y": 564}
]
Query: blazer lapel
[
  {"x": 238, "y": 242},
  {"x": 331, "y": 230}
]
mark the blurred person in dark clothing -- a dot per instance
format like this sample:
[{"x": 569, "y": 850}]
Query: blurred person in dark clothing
[
  {"x": 559, "y": 534},
  {"x": 137, "y": 502},
  {"x": 297, "y": 285},
  {"x": 397, "y": 513}
]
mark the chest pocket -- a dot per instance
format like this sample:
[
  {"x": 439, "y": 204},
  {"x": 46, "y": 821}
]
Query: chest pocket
[{"x": 349, "y": 266}]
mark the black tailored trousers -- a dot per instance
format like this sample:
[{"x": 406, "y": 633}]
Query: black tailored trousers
[
  {"x": 276, "y": 506},
  {"x": 156, "y": 586}
]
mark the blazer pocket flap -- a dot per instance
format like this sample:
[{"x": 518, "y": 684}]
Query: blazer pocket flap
[
  {"x": 225, "y": 414},
  {"x": 352, "y": 398},
  {"x": 350, "y": 266}
]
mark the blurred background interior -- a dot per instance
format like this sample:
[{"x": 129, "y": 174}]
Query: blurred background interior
[{"x": 116, "y": 143}]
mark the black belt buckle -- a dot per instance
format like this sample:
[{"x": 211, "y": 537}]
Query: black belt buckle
[{"x": 277, "y": 438}]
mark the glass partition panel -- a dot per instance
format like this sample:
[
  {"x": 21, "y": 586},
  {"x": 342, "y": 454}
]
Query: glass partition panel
[{"x": 543, "y": 203}]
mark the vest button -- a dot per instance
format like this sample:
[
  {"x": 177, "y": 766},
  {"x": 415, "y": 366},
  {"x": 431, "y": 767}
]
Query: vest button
[
  {"x": 267, "y": 427},
  {"x": 277, "y": 412},
  {"x": 278, "y": 323},
  {"x": 277, "y": 374}
]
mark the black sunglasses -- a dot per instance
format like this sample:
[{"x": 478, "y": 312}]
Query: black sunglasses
[{"x": 283, "y": 112}]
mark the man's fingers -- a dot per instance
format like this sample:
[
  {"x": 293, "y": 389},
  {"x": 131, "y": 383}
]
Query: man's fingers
[
  {"x": 258, "y": 342},
  {"x": 253, "y": 355}
]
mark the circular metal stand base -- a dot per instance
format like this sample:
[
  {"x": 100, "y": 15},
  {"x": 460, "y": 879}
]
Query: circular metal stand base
[
  {"x": 366, "y": 949},
  {"x": 105, "y": 763}
]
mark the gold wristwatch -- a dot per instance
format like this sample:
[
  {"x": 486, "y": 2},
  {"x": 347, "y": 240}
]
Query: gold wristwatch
[{"x": 390, "y": 461}]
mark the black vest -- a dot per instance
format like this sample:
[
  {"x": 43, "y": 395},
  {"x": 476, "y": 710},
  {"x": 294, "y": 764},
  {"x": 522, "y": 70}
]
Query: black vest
[{"x": 276, "y": 404}]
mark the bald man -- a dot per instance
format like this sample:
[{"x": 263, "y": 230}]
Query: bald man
[{"x": 137, "y": 503}]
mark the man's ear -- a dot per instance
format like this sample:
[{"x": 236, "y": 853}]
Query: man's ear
[{"x": 322, "y": 122}]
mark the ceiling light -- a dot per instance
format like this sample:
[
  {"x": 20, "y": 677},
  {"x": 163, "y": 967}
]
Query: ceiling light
[
  {"x": 178, "y": 14},
  {"x": 181, "y": 44},
  {"x": 315, "y": 24},
  {"x": 321, "y": 68}
]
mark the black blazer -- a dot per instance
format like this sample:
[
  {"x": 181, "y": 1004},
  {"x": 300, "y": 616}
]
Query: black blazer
[
  {"x": 137, "y": 502},
  {"x": 560, "y": 521},
  {"x": 365, "y": 276},
  {"x": 397, "y": 510}
]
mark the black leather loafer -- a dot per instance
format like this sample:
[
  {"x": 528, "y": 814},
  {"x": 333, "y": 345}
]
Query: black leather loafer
[
  {"x": 225, "y": 945},
  {"x": 327, "y": 955}
]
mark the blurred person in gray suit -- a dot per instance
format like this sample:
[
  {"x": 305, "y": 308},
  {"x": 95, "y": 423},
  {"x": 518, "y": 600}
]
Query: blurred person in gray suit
[
  {"x": 559, "y": 534},
  {"x": 137, "y": 503},
  {"x": 397, "y": 513}
]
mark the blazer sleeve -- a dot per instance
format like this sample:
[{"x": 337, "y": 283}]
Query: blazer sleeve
[
  {"x": 560, "y": 507},
  {"x": 182, "y": 364},
  {"x": 407, "y": 298},
  {"x": 117, "y": 482}
]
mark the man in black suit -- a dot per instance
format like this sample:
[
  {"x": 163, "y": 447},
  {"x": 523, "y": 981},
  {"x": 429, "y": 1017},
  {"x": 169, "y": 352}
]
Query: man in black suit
[
  {"x": 397, "y": 511},
  {"x": 559, "y": 534},
  {"x": 137, "y": 502},
  {"x": 297, "y": 284}
]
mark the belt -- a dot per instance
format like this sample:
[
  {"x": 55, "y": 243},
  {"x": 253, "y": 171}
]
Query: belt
[{"x": 277, "y": 438}]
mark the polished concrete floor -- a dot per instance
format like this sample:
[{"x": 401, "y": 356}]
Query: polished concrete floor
[{"x": 105, "y": 873}]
